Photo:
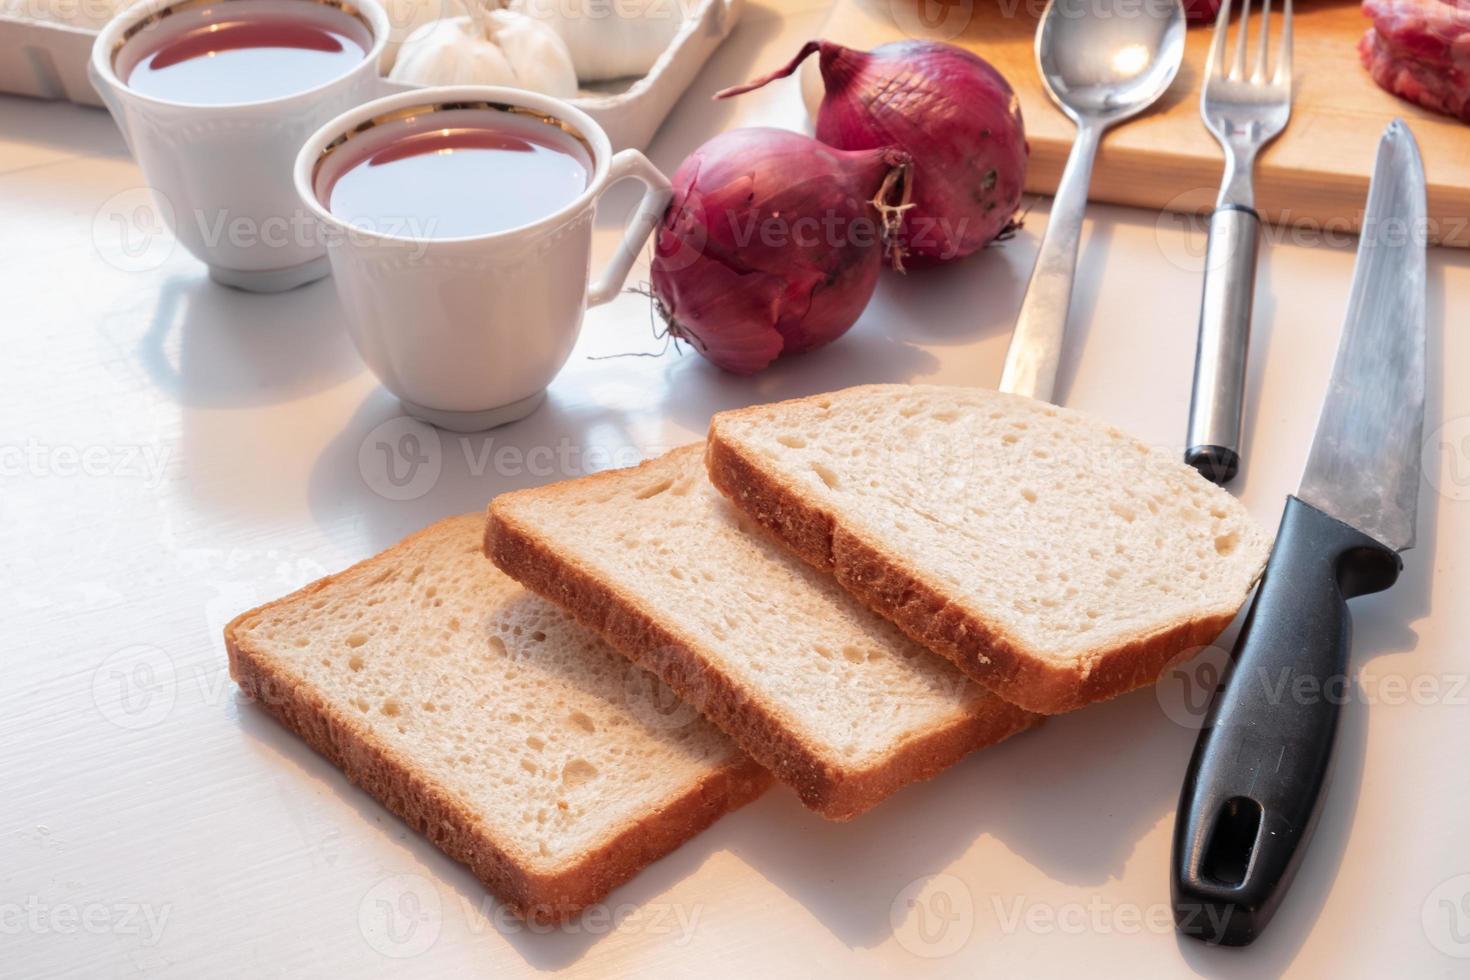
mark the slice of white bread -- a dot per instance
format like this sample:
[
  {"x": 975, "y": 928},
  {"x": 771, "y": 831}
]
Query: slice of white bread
[
  {"x": 1054, "y": 559},
  {"x": 482, "y": 715},
  {"x": 829, "y": 697}
]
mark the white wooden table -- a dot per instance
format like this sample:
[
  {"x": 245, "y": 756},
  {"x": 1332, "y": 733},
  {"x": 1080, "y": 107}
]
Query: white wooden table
[{"x": 172, "y": 452}]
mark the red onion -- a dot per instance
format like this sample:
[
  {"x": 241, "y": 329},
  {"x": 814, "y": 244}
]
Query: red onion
[
  {"x": 953, "y": 113},
  {"x": 772, "y": 244}
]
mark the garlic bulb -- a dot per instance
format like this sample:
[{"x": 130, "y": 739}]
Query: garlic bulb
[
  {"x": 407, "y": 16},
  {"x": 610, "y": 38},
  {"x": 496, "y": 47}
]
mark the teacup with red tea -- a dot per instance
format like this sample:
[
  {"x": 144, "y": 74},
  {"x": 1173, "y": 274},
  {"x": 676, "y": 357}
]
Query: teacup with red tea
[
  {"x": 215, "y": 97},
  {"x": 475, "y": 171},
  {"x": 459, "y": 228}
]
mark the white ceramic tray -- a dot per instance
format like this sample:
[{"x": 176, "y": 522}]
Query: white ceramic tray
[{"x": 49, "y": 61}]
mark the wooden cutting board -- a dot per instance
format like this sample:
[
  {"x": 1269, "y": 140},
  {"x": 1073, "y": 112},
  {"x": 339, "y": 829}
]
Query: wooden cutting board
[{"x": 1312, "y": 181}]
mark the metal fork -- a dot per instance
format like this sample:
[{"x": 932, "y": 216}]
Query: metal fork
[{"x": 1244, "y": 111}]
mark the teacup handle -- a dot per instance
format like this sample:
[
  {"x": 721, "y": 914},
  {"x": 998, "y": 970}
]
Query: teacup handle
[{"x": 657, "y": 192}]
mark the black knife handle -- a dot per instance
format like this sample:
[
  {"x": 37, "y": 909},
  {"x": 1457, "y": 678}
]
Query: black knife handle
[{"x": 1251, "y": 795}]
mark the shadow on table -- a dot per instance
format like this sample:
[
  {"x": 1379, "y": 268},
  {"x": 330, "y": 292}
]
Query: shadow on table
[
  {"x": 1082, "y": 314},
  {"x": 209, "y": 346},
  {"x": 959, "y": 303},
  {"x": 390, "y": 475},
  {"x": 1072, "y": 798},
  {"x": 697, "y": 389},
  {"x": 887, "y": 345},
  {"x": 395, "y": 475}
]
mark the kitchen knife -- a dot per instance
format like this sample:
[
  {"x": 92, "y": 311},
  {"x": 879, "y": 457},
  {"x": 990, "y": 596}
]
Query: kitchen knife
[{"x": 1251, "y": 796}]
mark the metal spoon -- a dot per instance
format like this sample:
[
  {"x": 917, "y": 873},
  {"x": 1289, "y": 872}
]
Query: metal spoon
[{"x": 1102, "y": 61}]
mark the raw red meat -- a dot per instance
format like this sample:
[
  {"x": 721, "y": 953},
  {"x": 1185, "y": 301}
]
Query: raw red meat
[
  {"x": 1442, "y": 89},
  {"x": 1199, "y": 11},
  {"x": 1420, "y": 51},
  {"x": 1436, "y": 32}
]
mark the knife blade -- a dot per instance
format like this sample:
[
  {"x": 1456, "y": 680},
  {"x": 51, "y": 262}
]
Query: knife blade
[
  {"x": 1363, "y": 467},
  {"x": 1253, "y": 790}
]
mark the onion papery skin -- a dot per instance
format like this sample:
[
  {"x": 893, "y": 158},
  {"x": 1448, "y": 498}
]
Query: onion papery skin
[
  {"x": 771, "y": 245},
  {"x": 951, "y": 112}
]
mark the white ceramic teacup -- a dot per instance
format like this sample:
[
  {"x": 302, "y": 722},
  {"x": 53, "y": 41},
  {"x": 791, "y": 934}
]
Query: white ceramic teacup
[
  {"x": 469, "y": 331},
  {"x": 221, "y": 174}
]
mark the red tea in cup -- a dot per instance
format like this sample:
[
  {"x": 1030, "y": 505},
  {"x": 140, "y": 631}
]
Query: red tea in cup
[
  {"x": 242, "y": 51},
  {"x": 454, "y": 175}
]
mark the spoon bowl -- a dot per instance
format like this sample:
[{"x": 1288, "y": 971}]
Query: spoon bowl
[{"x": 1109, "y": 59}]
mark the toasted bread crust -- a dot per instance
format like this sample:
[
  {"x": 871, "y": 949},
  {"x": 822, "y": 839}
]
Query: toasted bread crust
[
  {"x": 396, "y": 783},
  {"x": 930, "y": 618},
  {"x": 834, "y": 791}
]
